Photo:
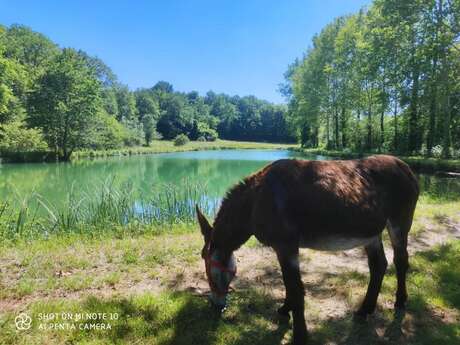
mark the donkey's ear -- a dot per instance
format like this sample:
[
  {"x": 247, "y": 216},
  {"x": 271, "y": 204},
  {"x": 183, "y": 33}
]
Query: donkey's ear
[{"x": 206, "y": 228}]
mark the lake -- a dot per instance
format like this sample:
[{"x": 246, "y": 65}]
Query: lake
[{"x": 215, "y": 170}]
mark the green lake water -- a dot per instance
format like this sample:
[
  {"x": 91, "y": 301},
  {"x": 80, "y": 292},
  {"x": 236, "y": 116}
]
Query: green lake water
[{"x": 217, "y": 170}]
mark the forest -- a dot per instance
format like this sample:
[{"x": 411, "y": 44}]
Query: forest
[
  {"x": 62, "y": 100},
  {"x": 386, "y": 79}
]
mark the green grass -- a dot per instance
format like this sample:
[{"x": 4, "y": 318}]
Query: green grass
[
  {"x": 167, "y": 318},
  {"x": 164, "y": 146},
  {"x": 185, "y": 318},
  {"x": 35, "y": 274},
  {"x": 418, "y": 163}
]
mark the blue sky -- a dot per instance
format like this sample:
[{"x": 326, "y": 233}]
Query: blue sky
[{"x": 232, "y": 46}]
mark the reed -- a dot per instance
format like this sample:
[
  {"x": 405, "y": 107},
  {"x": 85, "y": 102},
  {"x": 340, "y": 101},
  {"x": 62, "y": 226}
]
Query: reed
[{"x": 107, "y": 207}]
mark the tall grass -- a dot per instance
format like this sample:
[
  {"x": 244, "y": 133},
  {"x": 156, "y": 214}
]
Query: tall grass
[{"x": 107, "y": 207}]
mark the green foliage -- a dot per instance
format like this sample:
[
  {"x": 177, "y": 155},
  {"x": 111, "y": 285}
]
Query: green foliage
[
  {"x": 384, "y": 79},
  {"x": 78, "y": 104},
  {"x": 65, "y": 102},
  {"x": 134, "y": 132},
  {"x": 181, "y": 140},
  {"x": 14, "y": 137},
  {"x": 203, "y": 131},
  {"x": 149, "y": 126},
  {"x": 108, "y": 133},
  {"x": 12, "y": 85}
]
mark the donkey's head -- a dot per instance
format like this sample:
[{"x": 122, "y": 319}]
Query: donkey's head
[{"x": 220, "y": 265}]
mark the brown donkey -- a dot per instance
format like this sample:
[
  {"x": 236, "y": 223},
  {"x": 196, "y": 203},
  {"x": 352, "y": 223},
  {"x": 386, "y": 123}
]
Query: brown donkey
[{"x": 324, "y": 205}]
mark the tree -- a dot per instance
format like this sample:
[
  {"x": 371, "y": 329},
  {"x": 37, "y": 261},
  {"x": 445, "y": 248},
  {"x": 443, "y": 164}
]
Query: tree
[
  {"x": 65, "y": 103},
  {"x": 149, "y": 126},
  {"x": 393, "y": 64}
]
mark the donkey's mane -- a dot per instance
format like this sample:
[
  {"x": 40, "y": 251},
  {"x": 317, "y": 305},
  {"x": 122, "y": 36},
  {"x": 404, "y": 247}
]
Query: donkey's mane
[
  {"x": 234, "y": 211},
  {"x": 233, "y": 195}
]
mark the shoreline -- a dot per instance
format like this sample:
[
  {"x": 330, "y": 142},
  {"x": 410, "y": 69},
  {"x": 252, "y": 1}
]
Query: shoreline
[
  {"x": 160, "y": 146},
  {"x": 418, "y": 163},
  {"x": 447, "y": 167}
]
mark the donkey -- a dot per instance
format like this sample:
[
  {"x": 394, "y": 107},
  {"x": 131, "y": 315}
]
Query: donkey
[{"x": 323, "y": 205}]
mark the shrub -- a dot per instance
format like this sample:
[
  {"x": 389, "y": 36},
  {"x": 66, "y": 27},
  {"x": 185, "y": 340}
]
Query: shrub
[
  {"x": 437, "y": 151},
  {"x": 211, "y": 135},
  {"x": 14, "y": 137},
  {"x": 133, "y": 132},
  {"x": 207, "y": 132},
  {"x": 201, "y": 138},
  {"x": 181, "y": 140},
  {"x": 109, "y": 133}
]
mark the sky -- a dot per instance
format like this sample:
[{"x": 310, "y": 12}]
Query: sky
[{"x": 233, "y": 46}]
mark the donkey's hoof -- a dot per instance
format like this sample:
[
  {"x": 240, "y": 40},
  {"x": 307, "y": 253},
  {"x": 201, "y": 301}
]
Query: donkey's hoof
[
  {"x": 400, "y": 305},
  {"x": 284, "y": 311},
  {"x": 300, "y": 340},
  {"x": 360, "y": 316}
]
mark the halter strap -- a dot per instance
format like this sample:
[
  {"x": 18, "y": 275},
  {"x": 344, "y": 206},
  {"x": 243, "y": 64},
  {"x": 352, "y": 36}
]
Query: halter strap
[
  {"x": 212, "y": 263},
  {"x": 220, "y": 267}
]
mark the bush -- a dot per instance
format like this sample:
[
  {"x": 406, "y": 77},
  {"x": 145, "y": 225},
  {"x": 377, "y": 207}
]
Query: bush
[
  {"x": 181, "y": 140},
  {"x": 211, "y": 135},
  {"x": 109, "y": 133},
  {"x": 14, "y": 137},
  {"x": 201, "y": 138},
  {"x": 133, "y": 132}
]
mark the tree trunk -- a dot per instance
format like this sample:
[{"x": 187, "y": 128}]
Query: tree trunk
[
  {"x": 344, "y": 128},
  {"x": 413, "y": 125},
  {"x": 447, "y": 120},
  {"x": 432, "y": 121},
  {"x": 336, "y": 120},
  {"x": 395, "y": 112},
  {"x": 382, "y": 136},
  {"x": 358, "y": 132},
  {"x": 369, "y": 127}
]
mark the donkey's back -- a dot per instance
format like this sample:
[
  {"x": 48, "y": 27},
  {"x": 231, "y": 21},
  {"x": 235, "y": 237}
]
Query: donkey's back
[{"x": 333, "y": 205}]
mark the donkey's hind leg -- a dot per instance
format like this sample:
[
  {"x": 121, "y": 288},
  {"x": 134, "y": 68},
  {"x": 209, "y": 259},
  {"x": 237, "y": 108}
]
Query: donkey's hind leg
[
  {"x": 377, "y": 267},
  {"x": 398, "y": 231}
]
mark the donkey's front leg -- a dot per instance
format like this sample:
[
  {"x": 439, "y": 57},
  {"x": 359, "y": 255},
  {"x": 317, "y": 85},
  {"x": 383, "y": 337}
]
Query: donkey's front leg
[{"x": 289, "y": 261}]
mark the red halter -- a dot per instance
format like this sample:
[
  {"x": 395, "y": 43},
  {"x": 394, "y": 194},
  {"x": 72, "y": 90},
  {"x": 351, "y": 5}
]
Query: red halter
[{"x": 213, "y": 263}]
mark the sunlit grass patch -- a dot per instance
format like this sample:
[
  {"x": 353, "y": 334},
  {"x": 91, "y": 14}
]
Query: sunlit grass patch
[{"x": 436, "y": 275}]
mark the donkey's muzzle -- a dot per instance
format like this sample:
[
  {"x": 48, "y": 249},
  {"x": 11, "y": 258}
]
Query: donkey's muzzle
[{"x": 219, "y": 302}]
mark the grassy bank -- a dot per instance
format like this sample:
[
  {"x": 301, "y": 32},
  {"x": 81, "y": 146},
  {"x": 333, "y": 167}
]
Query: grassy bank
[
  {"x": 154, "y": 283},
  {"x": 157, "y": 146},
  {"x": 418, "y": 163},
  {"x": 164, "y": 146}
]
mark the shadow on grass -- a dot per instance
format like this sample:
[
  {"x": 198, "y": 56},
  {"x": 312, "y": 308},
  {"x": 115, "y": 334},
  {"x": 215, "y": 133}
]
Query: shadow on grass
[
  {"x": 425, "y": 327},
  {"x": 186, "y": 319},
  {"x": 435, "y": 276},
  {"x": 251, "y": 319}
]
